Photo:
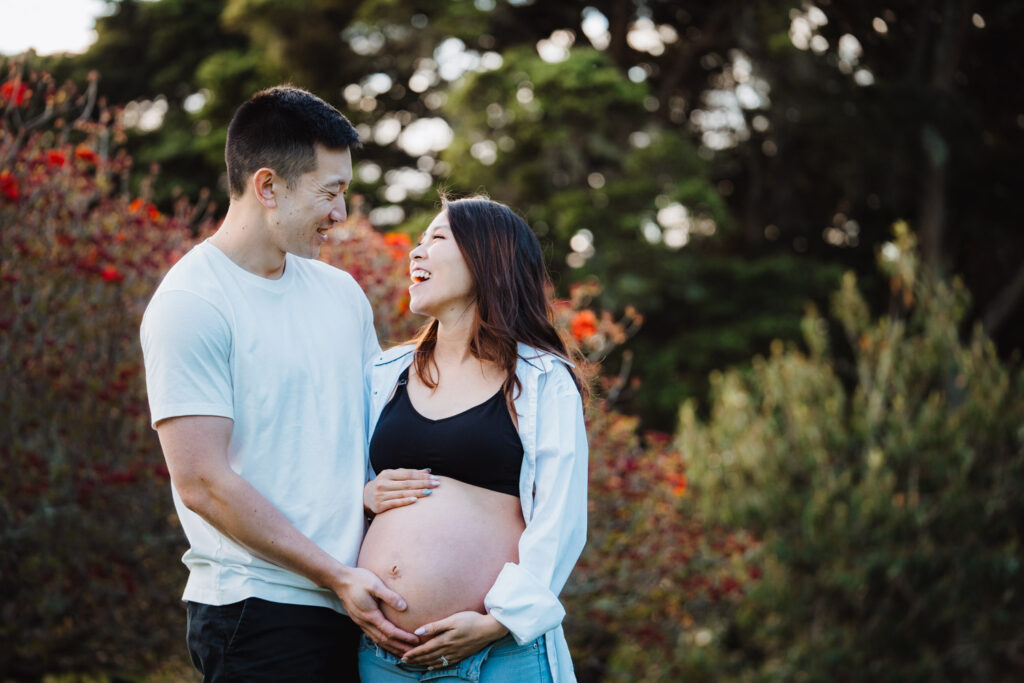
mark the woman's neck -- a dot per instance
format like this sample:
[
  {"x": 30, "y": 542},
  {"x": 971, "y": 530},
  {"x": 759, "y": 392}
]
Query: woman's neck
[{"x": 452, "y": 345}]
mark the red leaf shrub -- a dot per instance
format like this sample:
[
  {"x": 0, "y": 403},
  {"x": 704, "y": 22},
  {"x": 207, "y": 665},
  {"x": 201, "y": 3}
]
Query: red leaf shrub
[
  {"x": 89, "y": 569},
  {"x": 90, "y": 576}
]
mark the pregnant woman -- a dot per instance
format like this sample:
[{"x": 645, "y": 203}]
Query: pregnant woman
[{"x": 480, "y": 449}]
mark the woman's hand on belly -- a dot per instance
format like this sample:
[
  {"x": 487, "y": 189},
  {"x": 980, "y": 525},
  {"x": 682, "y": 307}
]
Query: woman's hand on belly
[
  {"x": 454, "y": 638},
  {"x": 398, "y": 487}
]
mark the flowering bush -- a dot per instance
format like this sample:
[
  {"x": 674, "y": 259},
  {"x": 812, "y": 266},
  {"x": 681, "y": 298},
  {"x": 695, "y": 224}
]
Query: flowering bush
[
  {"x": 87, "y": 553},
  {"x": 652, "y": 575},
  {"x": 380, "y": 263},
  {"x": 90, "y": 578}
]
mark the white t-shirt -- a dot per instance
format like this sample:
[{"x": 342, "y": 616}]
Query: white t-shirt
[{"x": 286, "y": 360}]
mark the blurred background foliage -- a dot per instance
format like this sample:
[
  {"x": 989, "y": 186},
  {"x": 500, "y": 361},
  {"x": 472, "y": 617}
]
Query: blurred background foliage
[
  {"x": 838, "y": 498},
  {"x": 714, "y": 164}
]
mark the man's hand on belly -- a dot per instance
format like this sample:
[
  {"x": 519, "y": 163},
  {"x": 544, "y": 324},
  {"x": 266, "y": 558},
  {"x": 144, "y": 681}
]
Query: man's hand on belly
[{"x": 360, "y": 590}]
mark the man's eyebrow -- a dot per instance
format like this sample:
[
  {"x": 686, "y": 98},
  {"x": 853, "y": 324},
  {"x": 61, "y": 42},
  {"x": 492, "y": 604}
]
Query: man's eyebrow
[{"x": 337, "y": 180}]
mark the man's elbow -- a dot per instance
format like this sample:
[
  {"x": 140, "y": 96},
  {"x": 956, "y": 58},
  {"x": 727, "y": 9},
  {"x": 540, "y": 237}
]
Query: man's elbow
[{"x": 197, "y": 493}]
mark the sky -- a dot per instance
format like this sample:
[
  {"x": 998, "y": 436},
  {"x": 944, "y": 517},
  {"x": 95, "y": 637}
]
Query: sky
[{"x": 47, "y": 25}]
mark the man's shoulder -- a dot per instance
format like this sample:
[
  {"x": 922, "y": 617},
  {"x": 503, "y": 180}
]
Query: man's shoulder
[
  {"x": 195, "y": 273},
  {"x": 192, "y": 268}
]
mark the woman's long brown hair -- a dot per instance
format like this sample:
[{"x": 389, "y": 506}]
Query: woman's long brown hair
[{"x": 512, "y": 287}]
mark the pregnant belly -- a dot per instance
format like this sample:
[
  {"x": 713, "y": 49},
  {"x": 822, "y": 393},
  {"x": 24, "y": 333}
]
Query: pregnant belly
[{"x": 443, "y": 553}]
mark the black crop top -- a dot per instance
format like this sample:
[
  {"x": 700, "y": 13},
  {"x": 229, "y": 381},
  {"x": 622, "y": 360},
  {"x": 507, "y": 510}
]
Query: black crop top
[{"x": 479, "y": 446}]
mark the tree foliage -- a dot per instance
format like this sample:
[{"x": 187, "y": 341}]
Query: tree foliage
[
  {"x": 801, "y": 132},
  {"x": 885, "y": 493}
]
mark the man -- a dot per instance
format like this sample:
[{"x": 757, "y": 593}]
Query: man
[{"x": 255, "y": 358}]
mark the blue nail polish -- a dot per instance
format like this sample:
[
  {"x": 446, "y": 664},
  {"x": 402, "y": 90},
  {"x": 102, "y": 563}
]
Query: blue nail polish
[{"x": 427, "y": 492}]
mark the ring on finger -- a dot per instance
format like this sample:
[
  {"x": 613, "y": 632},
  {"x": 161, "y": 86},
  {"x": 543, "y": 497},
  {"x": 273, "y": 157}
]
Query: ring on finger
[{"x": 444, "y": 661}]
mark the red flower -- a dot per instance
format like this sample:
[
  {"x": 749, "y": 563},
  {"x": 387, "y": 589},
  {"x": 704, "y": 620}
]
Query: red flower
[
  {"x": 14, "y": 92},
  {"x": 9, "y": 186},
  {"x": 583, "y": 325},
  {"x": 86, "y": 153},
  {"x": 55, "y": 158},
  {"x": 136, "y": 205},
  {"x": 111, "y": 274},
  {"x": 398, "y": 244},
  {"x": 153, "y": 213},
  {"x": 397, "y": 239}
]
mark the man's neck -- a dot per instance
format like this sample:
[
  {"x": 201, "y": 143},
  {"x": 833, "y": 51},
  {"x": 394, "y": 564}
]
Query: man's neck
[{"x": 242, "y": 238}]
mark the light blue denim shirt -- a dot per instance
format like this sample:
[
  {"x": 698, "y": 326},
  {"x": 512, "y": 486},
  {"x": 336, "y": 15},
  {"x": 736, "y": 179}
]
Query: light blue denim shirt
[{"x": 552, "y": 491}]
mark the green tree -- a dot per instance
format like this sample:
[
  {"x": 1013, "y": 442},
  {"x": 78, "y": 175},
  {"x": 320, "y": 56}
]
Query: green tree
[
  {"x": 885, "y": 494},
  {"x": 803, "y": 133}
]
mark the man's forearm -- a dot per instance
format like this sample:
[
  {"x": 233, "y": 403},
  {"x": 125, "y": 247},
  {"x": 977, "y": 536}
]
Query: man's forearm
[{"x": 240, "y": 512}]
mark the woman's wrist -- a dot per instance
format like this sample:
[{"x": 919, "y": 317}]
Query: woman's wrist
[{"x": 493, "y": 627}]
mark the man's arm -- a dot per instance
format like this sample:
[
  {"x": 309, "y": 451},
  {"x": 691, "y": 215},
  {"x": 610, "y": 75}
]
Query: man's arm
[{"x": 196, "y": 450}]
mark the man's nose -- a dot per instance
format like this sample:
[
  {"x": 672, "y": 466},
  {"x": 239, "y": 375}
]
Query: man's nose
[{"x": 339, "y": 212}]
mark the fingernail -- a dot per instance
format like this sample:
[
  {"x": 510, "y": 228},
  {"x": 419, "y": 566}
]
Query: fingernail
[
  {"x": 401, "y": 604},
  {"x": 427, "y": 492},
  {"x": 435, "y": 482},
  {"x": 427, "y": 470},
  {"x": 420, "y": 631}
]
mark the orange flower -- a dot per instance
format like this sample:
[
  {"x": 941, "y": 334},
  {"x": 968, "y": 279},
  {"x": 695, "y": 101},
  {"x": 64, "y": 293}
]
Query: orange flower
[
  {"x": 86, "y": 153},
  {"x": 398, "y": 244},
  {"x": 136, "y": 205},
  {"x": 678, "y": 482},
  {"x": 583, "y": 325},
  {"x": 9, "y": 186},
  {"x": 397, "y": 239},
  {"x": 14, "y": 92}
]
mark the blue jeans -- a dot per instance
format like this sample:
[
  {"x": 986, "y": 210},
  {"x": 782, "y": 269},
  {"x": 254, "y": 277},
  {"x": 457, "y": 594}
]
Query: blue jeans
[{"x": 503, "y": 661}]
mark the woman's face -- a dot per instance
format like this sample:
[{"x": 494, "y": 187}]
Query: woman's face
[{"x": 442, "y": 286}]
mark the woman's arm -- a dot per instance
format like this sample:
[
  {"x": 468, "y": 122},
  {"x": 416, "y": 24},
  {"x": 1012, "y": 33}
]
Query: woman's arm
[{"x": 524, "y": 597}]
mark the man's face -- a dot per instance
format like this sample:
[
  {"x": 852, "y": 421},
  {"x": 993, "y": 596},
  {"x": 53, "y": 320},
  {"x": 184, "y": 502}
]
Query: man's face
[{"x": 313, "y": 204}]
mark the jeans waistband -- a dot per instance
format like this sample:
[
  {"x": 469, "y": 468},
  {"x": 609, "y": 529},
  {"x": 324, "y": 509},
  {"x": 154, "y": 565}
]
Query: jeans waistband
[{"x": 467, "y": 670}]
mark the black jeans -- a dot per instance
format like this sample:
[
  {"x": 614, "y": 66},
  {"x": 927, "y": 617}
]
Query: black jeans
[{"x": 257, "y": 640}]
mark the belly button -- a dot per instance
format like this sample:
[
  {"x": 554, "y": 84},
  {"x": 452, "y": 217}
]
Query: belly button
[{"x": 394, "y": 571}]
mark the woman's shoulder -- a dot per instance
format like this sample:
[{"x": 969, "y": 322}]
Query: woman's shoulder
[
  {"x": 543, "y": 362},
  {"x": 394, "y": 354}
]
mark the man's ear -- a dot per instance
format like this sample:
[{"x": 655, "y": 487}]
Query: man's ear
[{"x": 263, "y": 186}]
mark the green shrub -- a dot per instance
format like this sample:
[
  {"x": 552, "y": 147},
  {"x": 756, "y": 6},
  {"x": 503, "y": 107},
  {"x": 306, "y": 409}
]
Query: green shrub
[{"x": 886, "y": 493}]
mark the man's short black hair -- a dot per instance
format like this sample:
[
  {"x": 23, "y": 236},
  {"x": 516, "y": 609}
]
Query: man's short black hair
[{"x": 279, "y": 128}]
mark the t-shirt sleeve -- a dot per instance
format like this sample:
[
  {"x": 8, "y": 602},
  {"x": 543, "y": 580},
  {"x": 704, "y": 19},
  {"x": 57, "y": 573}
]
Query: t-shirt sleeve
[{"x": 186, "y": 346}]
